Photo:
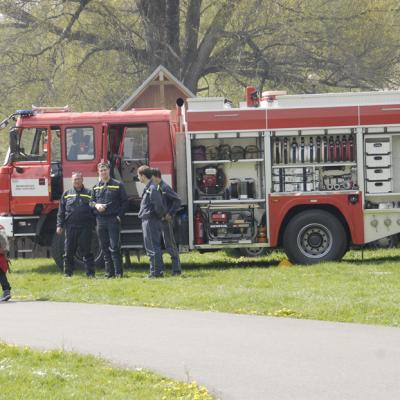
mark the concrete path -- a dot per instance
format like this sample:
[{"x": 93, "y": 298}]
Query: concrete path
[{"x": 234, "y": 356}]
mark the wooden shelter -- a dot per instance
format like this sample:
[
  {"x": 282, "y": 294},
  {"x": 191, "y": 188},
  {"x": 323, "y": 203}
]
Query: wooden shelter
[{"x": 159, "y": 90}]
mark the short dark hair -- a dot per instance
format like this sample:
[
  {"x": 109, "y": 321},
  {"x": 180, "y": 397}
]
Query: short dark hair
[
  {"x": 103, "y": 164},
  {"x": 146, "y": 171},
  {"x": 157, "y": 172}
]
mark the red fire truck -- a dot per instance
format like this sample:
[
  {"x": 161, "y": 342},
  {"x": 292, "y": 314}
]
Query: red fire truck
[{"x": 312, "y": 174}]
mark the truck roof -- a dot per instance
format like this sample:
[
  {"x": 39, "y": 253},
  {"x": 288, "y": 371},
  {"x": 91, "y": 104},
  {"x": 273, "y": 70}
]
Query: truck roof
[{"x": 111, "y": 117}]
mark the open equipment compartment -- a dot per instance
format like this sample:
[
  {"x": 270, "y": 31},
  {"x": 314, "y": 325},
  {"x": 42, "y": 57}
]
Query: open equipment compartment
[
  {"x": 314, "y": 160},
  {"x": 228, "y": 190}
]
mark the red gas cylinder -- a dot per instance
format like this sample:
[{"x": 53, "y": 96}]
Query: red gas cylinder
[
  {"x": 252, "y": 96},
  {"x": 198, "y": 228}
]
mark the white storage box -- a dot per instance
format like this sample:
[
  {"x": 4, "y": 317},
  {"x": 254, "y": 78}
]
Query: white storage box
[
  {"x": 377, "y": 147},
  {"x": 378, "y": 174},
  {"x": 379, "y": 187},
  {"x": 205, "y": 103},
  {"x": 377, "y": 161}
]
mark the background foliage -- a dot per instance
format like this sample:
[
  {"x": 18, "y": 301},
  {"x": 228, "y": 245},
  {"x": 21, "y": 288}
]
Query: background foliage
[{"x": 92, "y": 54}]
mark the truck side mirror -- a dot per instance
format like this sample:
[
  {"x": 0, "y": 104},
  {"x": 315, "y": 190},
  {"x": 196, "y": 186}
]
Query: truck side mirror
[{"x": 13, "y": 141}]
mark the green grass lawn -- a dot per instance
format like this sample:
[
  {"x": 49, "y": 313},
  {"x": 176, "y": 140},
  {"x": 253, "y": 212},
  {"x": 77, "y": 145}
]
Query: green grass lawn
[
  {"x": 33, "y": 375},
  {"x": 351, "y": 290}
]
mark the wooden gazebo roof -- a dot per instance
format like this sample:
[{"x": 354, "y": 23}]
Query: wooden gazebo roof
[{"x": 159, "y": 90}]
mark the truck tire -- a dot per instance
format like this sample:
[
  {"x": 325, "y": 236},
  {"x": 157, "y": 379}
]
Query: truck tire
[
  {"x": 57, "y": 252},
  {"x": 254, "y": 251},
  {"x": 314, "y": 236}
]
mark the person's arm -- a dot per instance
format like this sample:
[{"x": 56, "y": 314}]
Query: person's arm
[
  {"x": 124, "y": 202},
  {"x": 174, "y": 201},
  {"x": 92, "y": 202},
  {"x": 156, "y": 200},
  {"x": 61, "y": 215}
]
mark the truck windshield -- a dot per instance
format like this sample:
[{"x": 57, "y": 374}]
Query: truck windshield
[{"x": 32, "y": 145}]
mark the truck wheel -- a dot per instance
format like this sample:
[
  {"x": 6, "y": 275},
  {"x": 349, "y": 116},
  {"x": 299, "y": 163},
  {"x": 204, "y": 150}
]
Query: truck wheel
[
  {"x": 57, "y": 252},
  {"x": 254, "y": 251},
  {"x": 314, "y": 236}
]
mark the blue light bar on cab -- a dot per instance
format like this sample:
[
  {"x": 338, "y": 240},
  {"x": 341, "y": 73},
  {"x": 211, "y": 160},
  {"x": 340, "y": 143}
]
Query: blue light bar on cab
[{"x": 24, "y": 113}]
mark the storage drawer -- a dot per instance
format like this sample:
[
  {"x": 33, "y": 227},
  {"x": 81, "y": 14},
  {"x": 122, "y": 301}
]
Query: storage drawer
[
  {"x": 378, "y": 174},
  {"x": 379, "y": 187},
  {"x": 377, "y": 161},
  {"x": 377, "y": 147}
]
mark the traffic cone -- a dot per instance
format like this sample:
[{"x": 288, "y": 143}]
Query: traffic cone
[{"x": 285, "y": 263}]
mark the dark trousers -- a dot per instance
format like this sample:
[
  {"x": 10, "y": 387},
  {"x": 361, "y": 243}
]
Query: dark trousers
[
  {"x": 108, "y": 230},
  {"x": 5, "y": 285},
  {"x": 78, "y": 237},
  {"x": 170, "y": 244},
  {"x": 152, "y": 243}
]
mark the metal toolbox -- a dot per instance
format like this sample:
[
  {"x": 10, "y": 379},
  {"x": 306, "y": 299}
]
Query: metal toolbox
[
  {"x": 378, "y": 174},
  {"x": 377, "y": 146},
  {"x": 377, "y": 161},
  {"x": 379, "y": 186}
]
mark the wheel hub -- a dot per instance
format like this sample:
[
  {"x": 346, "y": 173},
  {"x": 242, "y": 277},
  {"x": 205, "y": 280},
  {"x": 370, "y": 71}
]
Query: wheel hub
[{"x": 314, "y": 240}]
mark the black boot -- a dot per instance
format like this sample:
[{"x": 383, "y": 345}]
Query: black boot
[
  {"x": 109, "y": 270},
  {"x": 6, "y": 295}
]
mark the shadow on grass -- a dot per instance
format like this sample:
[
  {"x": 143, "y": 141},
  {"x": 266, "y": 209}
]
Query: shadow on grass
[
  {"x": 144, "y": 266},
  {"x": 252, "y": 263},
  {"x": 192, "y": 265},
  {"x": 373, "y": 259},
  {"x": 41, "y": 269}
]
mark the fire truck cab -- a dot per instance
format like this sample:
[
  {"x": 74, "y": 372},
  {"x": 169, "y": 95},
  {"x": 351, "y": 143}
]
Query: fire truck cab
[
  {"x": 48, "y": 144},
  {"x": 312, "y": 174}
]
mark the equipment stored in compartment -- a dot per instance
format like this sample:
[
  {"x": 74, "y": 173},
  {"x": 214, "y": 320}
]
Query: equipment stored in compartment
[
  {"x": 210, "y": 182},
  {"x": 199, "y": 153},
  {"x": 309, "y": 149},
  {"x": 242, "y": 188},
  {"x": 230, "y": 225}
]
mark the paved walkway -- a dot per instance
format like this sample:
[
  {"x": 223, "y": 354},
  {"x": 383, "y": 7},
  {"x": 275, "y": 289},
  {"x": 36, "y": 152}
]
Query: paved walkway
[{"x": 234, "y": 356}]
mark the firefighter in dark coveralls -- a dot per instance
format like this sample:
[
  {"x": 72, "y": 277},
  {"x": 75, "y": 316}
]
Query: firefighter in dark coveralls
[
  {"x": 172, "y": 204},
  {"x": 110, "y": 201},
  {"x": 75, "y": 216},
  {"x": 151, "y": 212}
]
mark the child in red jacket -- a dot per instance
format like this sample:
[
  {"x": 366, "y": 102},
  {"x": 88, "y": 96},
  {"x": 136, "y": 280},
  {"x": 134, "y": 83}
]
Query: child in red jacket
[{"x": 5, "y": 285}]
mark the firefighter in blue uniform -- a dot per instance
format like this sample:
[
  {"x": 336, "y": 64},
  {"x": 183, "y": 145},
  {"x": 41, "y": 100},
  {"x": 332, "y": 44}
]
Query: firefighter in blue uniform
[
  {"x": 151, "y": 212},
  {"x": 75, "y": 216},
  {"x": 110, "y": 201},
  {"x": 172, "y": 204}
]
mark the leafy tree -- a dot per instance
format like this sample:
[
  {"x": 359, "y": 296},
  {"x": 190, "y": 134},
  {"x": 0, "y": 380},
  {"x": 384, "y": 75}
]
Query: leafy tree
[{"x": 92, "y": 53}]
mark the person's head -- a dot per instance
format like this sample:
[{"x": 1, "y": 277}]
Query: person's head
[
  {"x": 103, "y": 169},
  {"x": 156, "y": 175},
  {"x": 144, "y": 173},
  {"x": 76, "y": 136},
  {"x": 77, "y": 180}
]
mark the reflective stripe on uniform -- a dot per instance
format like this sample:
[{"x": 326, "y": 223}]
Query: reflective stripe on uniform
[
  {"x": 69, "y": 195},
  {"x": 86, "y": 195},
  {"x": 106, "y": 187}
]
